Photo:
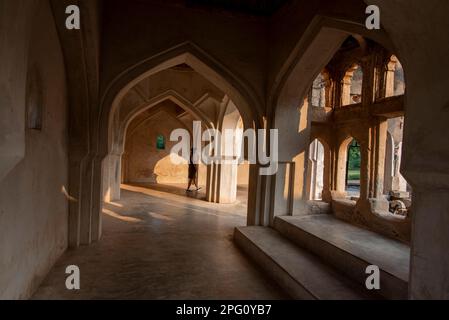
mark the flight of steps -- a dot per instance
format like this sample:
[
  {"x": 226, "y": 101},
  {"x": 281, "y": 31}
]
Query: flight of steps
[{"x": 321, "y": 257}]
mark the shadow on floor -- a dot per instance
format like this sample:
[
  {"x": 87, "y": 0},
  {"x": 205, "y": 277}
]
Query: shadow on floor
[
  {"x": 178, "y": 189},
  {"x": 160, "y": 245}
]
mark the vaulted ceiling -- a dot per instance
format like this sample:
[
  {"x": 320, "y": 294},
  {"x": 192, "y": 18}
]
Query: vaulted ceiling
[{"x": 252, "y": 7}]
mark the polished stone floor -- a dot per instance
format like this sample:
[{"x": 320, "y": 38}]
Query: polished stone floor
[{"x": 160, "y": 244}]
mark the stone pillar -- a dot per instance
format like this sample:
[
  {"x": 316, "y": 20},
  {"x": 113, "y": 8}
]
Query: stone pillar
[
  {"x": 319, "y": 172},
  {"x": 389, "y": 78},
  {"x": 373, "y": 161},
  {"x": 97, "y": 199},
  {"x": 259, "y": 195},
  {"x": 227, "y": 180},
  {"x": 115, "y": 176},
  {"x": 366, "y": 164},
  {"x": 210, "y": 183},
  {"x": 86, "y": 226},
  {"x": 346, "y": 89},
  {"x": 398, "y": 181},
  {"x": 86, "y": 201},
  {"x": 368, "y": 82},
  {"x": 311, "y": 174},
  {"x": 221, "y": 181},
  {"x": 379, "y": 164},
  {"x": 74, "y": 195},
  {"x": 112, "y": 177},
  {"x": 340, "y": 170},
  {"x": 327, "y": 175},
  {"x": 282, "y": 184},
  {"x": 389, "y": 164},
  {"x": 125, "y": 166},
  {"x": 372, "y": 168},
  {"x": 315, "y": 170},
  {"x": 394, "y": 181},
  {"x": 328, "y": 91}
]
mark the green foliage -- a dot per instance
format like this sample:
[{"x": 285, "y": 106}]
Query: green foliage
[
  {"x": 354, "y": 159},
  {"x": 354, "y": 174},
  {"x": 354, "y": 156}
]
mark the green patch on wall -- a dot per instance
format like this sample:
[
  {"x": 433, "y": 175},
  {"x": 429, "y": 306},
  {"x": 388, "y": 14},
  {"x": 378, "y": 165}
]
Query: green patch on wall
[{"x": 160, "y": 142}]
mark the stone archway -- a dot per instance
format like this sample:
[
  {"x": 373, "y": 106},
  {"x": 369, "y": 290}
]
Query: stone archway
[
  {"x": 112, "y": 164},
  {"x": 247, "y": 103},
  {"x": 290, "y": 112},
  {"x": 289, "y": 105},
  {"x": 188, "y": 54}
]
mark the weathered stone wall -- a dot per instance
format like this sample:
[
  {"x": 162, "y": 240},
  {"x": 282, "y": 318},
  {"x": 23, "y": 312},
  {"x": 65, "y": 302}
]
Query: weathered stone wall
[
  {"x": 144, "y": 163},
  {"x": 147, "y": 164},
  {"x": 33, "y": 207}
]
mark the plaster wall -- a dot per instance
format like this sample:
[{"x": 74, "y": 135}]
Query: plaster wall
[
  {"x": 144, "y": 163},
  {"x": 147, "y": 164},
  {"x": 15, "y": 25},
  {"x": 33, "y": 207}
]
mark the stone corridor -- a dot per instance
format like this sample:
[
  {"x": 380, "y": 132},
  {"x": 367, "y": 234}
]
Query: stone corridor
[
  {"x": 163, "y": 245},
  {"x": 323, "y": 144}
]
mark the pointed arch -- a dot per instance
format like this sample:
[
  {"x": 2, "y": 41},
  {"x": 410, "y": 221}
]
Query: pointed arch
[
  {"x": 249, "y": 105},
  {"x": 169, "y": 95}
]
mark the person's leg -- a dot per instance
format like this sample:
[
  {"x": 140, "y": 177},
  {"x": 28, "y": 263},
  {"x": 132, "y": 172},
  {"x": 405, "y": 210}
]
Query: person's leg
[
  {"x": 190, "y": 183},
  {"x": 196, "y": 183}
]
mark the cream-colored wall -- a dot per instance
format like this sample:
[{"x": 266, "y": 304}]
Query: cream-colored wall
[
  {"x": 15, "y": 25},
  {"x": 146, "y": 164},
  {"x": 243, "y": 174},
  {"x": 33, "y": 208}
]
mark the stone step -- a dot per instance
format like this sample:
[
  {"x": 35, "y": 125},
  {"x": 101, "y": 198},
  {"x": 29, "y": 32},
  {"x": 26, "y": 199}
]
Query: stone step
[
  {"x": 351, "y": 249},
  {"x": 318, "y": 207},
  {"x": 301, "y": 274}
]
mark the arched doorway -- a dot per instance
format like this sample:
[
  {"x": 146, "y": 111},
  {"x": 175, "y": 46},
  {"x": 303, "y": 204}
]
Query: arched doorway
[
  {"x": 353, "y": 163},
  {"x": 216, "y": 102}
]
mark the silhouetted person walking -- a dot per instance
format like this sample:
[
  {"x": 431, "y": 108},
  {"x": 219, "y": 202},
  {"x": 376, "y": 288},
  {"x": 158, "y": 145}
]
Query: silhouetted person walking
[{"x": 193, "y": 173}]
